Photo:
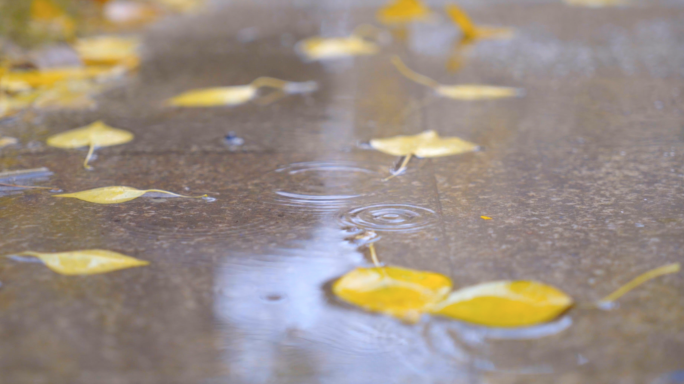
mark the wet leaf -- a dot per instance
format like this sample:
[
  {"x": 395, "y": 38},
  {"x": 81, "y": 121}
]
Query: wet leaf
[
  {"x": 23, "y": 80},
  {"x": 109, "y": 50},
  {"x": 606, "y": 302},
  {"x": 236, "y": 95},
  {"x": 399, "y": 292},
  {"x": 472, "y": 31},
  {"x": 485, "y": 217},
  {"x": 97, "y": 134},
  {"x": 403, "y": 11},
  {"x": 319, "y": 48},
  {"x": 457, "y": 92},
  {"x": 505, "y": 304},
  {"x": 86, "y": 262},
  {"x": 426, "y": 144},
  {"x": 115, "y": 195}
]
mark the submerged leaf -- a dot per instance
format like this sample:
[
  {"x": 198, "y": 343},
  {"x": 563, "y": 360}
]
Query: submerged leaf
[
  {"x": 457, "y": 92},
  {"x": 641, "y": 279},
  {"x": 115, "y": 195},
  {"x": 97, "y": 134},
  {"x": 403, "y": 11},
  {"x": 108, "y": 50},
  {"x": 86, "y": 262},
  {"x": 505, "y": 304},
  {"x": 472, "y": 31},
  {"x": 319, "y": 48},
  {"x": 426, "y": 144},
  {"x": 403, "y": 293}
]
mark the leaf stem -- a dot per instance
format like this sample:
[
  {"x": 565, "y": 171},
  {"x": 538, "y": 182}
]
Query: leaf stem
[
  {"x": 91, "y": 149},
  {"x": 402, "y": 167},
  {"x": 641, "y": 279},
  {"x": 411, "y": 75},
  {"x": 374, "y": 256}
]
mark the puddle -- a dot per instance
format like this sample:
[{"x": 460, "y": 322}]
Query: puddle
[{"x": 390, "y": 217}]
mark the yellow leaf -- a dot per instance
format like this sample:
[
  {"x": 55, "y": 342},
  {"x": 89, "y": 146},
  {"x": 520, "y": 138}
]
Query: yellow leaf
[
  {"x": 485, "y": 217},
  {"x": 50, "y": 17},
  {"x": 5, "y": 141},
  {"x": 86, "y": 262},
  {"x": 399, "y": 292},
  {"x": 458, "y": 92},
  {"x": 97, "y": 134},
  {"x": 115, "y": 195},
  {"x": 505, "y": 304},
  {"x": 472, "y": 31},
  {"x": 426, "y": 144},
  {"x": 211, "y": 97},
  {"x": 403, "y": 11},
  {"x": 319, "y": 48},
  {"x": 108, "y": 50},
  {"x": 18, "y": 80},
  {"x": 641, "y": 279}
]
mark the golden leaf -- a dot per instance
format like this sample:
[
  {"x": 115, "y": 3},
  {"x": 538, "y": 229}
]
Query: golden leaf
[
  {"x": 403, "y": 11},
  {"x": 505, "y": 304},
  {"x": 485, "y": 217},
  {"x": 86, "y": 262},
  {"x": 426, "y": 144},
  {"x": 403, "y": 293},
  {"x": 97, "y": 134},
  {"x": 641, "y": 279},
  {"x": 20, "y": 80},
  {"x": 109, "y": 50},
  {"x": 115, "y": 195},
  {"x": 319, "y": 48},
  {"x": 458, "y": 92},
  {"x": 472, "y": 31}
]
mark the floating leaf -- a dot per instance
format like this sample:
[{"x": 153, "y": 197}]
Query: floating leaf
[
  {"x": 641, "y": 279},
  {"x": 403, "y": 293},
  {"x": 472, "y": 31},
  {"x": 458, "y": 92},
  {"x": 485, "y": 217},
  {"x": 109, "y": 50},
  {"x": 505, "y": 304},
  {"x": 319, "y": 48},
  {"x": 115, "y": 195},
  {"x": 97, "y": 134},
  {"x": 86, "y": 262},
  {"x": 426, "y": 144},
  {"x": 403, "y": 11},
  {"x": 236, "y": 95}
]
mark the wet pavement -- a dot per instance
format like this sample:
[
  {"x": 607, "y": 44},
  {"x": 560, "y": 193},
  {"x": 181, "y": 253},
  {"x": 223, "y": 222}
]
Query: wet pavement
[{"x": 583, "y": 178}]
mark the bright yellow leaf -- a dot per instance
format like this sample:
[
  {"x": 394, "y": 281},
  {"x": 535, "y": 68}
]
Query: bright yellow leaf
[
  {"x": 485, "y": 217},
  {"x": 86, "y": 262},
  {"x": 319, "y": 48},
  {"x": 457, "y": 92},
  {"x": 403, "y": 293},
  {"x": 403, "y": 11},
  {"x": 115, "y": 195},
  {"x": 97, "y": 134},
  {"x": 505, "y": 304},
  {"x": 109, "y": 50},
  {"x": 212, "y": 97},
  {"x": 472, "y": 31},
  {"x": 426, "y": 144}
]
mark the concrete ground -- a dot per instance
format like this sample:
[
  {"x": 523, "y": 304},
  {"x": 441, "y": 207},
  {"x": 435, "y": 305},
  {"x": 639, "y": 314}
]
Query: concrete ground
[{"x": 583, "y": 178}]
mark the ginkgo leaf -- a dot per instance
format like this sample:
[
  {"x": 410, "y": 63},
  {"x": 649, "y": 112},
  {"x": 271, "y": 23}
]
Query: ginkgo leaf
[
  {"x": 86, "y": 262},
  {"x": 403, "y": 11},
  {"x": 108, "y": 50},
  {"x": 97, "y": 134},
  {"x": 115, "y": 195},
  {"x": 457, "y": 92},
  {"x": 505, "y": 304},
  {"x": 472, "y": 31},
  {"x": 485, "y": 218},
  {"x": 319, "y": 48},
  {"x": 426, "y": 144},
  {"x": 399, "y": 292},
  {"x": 240, "y": 94}
]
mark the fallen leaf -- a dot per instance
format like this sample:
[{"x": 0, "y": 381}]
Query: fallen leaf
[
  {"x": 472, "y": 31},
  {"x": 319, "y": 48},
  {"x": 485, "y": 217},
  {"x": 95, "y": 135},
  {"x": 457, "y": 92},
  {"x": 109, "y": 50},
  {"x": 86, "y": 262},
  {"x": 606, "y": 302},
  {"x": 24, "y": 80},
  {"x": 426, "y": 144},
  {"x": 403, "y": 11},
  {"x": 77, "y": 94},
  {"x": 115, "y": 195},
  {"x": 399, "y": 292},
  {"x": 240, "y": 94},
  {"x": 5, "y": 141},
  {"x": 505, "y": 304}
]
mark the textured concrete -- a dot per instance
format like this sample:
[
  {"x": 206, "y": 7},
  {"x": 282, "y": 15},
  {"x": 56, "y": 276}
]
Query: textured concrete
[{"x": 583, "y": 178}]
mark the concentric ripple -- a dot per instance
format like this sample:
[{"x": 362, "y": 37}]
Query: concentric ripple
[{"x": 390, "y": 217}]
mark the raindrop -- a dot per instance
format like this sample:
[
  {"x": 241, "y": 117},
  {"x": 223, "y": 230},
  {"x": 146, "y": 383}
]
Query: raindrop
[{"x": 390, "y": 217}]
